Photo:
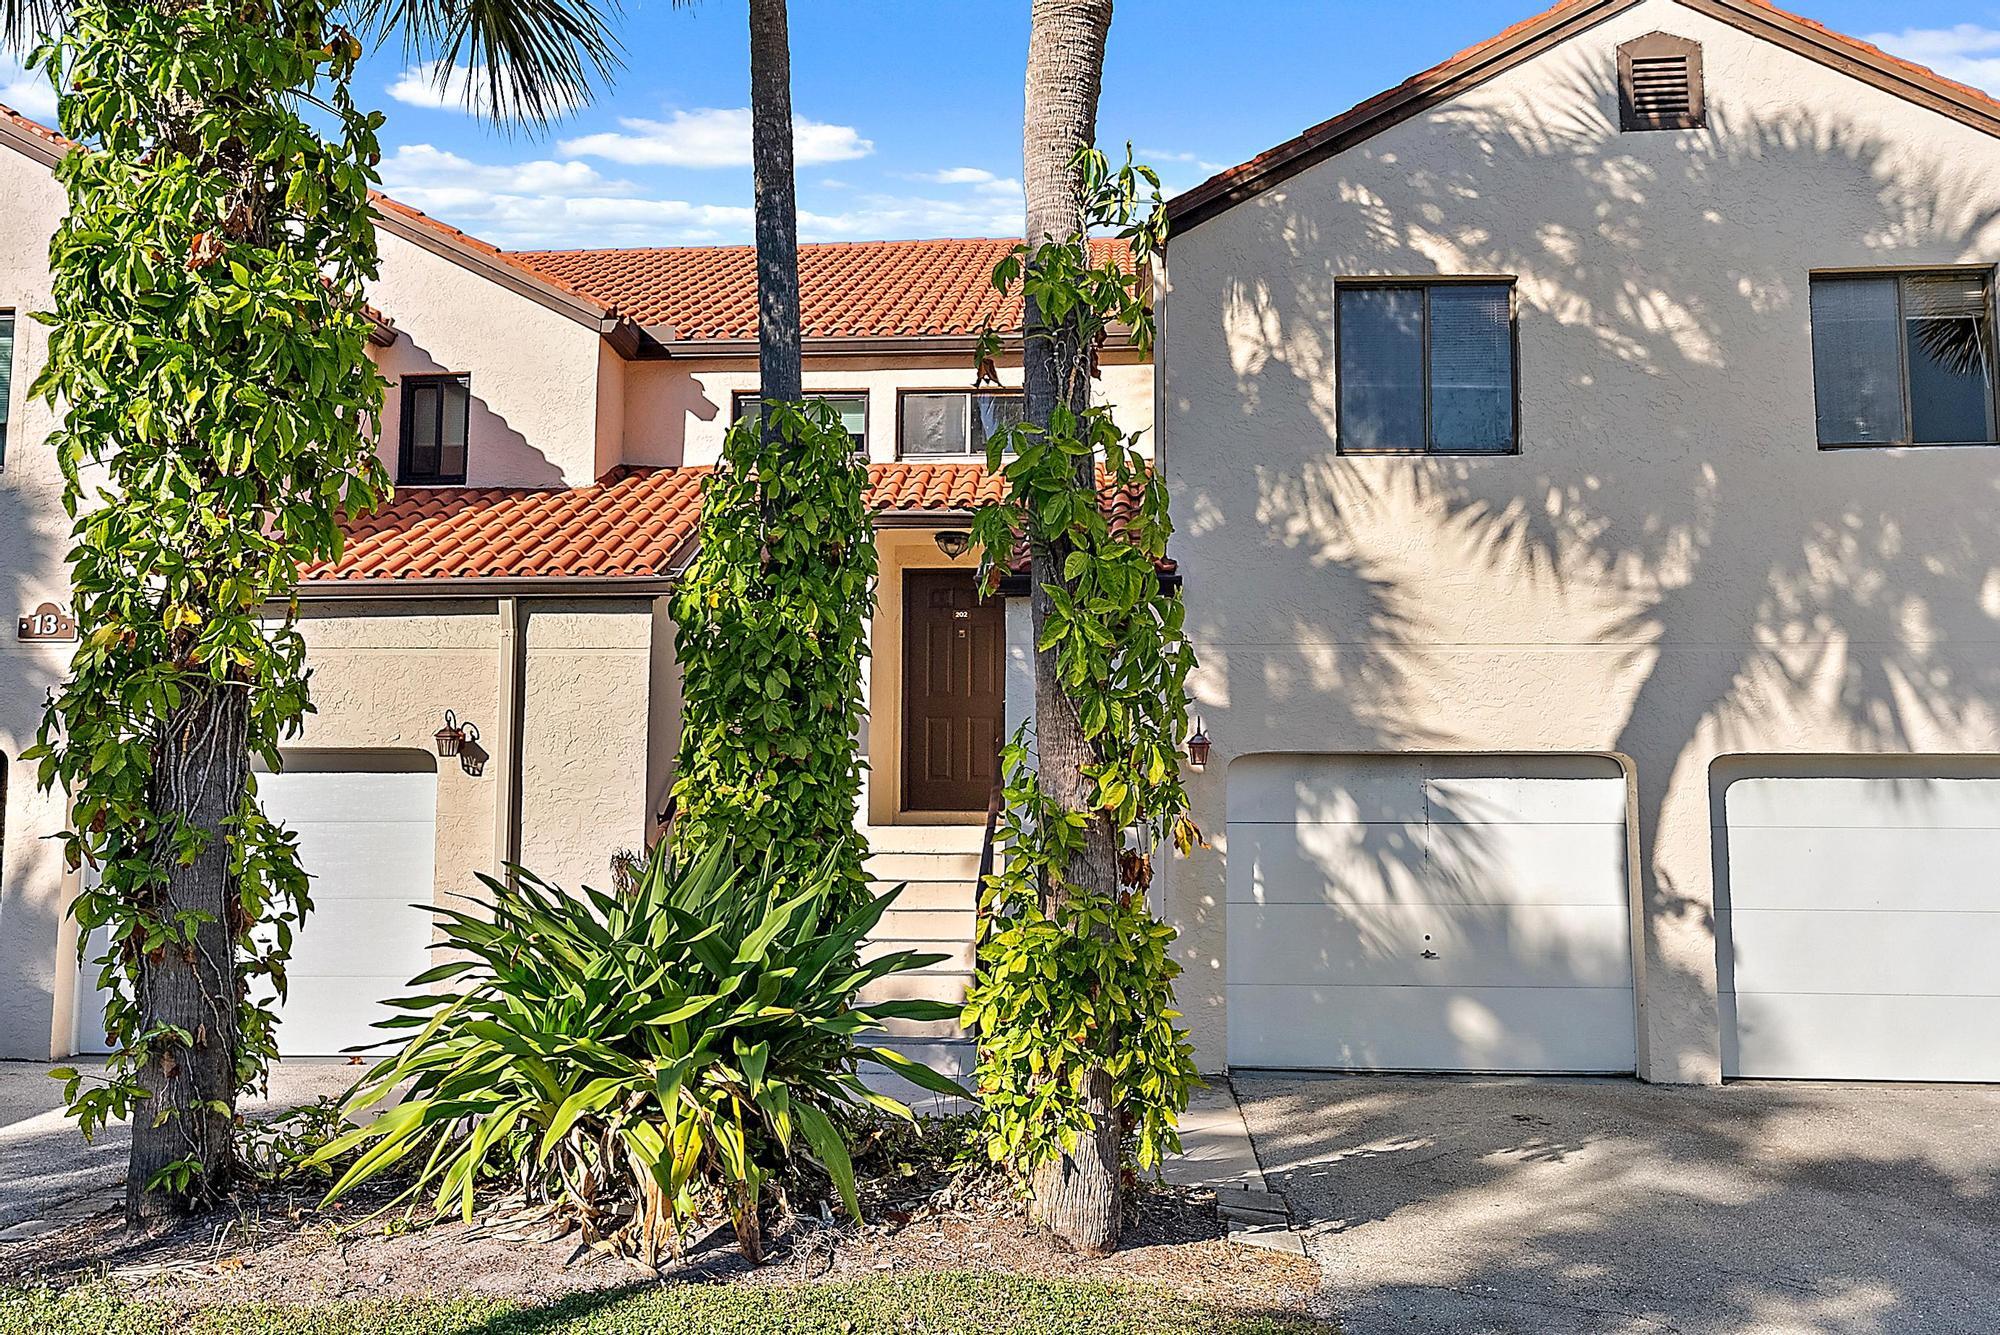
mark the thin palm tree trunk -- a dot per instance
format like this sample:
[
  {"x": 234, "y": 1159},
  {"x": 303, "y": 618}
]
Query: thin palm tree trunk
[
  {"x": 779, "y": 365},
  {"x": 1078, "y": 1196},
  {"x": 201, "y": 766}
]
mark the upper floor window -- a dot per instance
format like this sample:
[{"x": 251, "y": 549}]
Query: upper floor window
[
  {"x": 436, "y": 412},
  {"x": 851, "y": 405},
  {"x": 6, "y": 377},
  {"x": 949, "y": 422},
  {"x": 1903, "y": 358},
  {"x": 1426, "y": 367}
]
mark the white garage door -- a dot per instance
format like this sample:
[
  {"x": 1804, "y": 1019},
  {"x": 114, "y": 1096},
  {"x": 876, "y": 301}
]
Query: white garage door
[
  {"x": 1859, "y": 927},
  {"x": 1429, "y": 914},
  {"x": 367, "y": 828}
]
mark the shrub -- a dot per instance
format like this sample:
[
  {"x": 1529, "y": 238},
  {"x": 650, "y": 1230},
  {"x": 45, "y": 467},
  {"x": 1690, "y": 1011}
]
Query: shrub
[
  {"x": 770, "y": 630},
  {"x": 629, "y": 1058}
]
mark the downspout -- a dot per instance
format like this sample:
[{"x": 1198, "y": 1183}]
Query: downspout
[{"x": 507, "y": 744}]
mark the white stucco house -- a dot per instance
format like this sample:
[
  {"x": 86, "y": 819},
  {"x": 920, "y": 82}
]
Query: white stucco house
[
  {"x": 549, "y": 419},
  {"x": 1583, "y": 457}
]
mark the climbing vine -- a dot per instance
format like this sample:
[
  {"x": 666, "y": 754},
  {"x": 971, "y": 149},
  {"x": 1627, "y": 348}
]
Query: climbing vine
[
  {"x": 208, "y": 348},
  {"x": 770, "y": 628},
  {"x": 1075, "y": 978}
]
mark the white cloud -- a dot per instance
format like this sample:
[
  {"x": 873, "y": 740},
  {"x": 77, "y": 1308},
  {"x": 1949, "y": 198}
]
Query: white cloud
[
  {"x": 981, "y": 180},
  {"x": 28, "y": 92},
  {"x": 1155, "y": 156},
  {"x": 959, "y": 176},
  {"x": 415, "y": 167},
  {"x": 713, "y": 137},
  {"x": 438, "y": 87},
  {"x": 882, "y": 215},
  {"x": 541, "y": 203},
  {"x": 1968, "y": 52}
]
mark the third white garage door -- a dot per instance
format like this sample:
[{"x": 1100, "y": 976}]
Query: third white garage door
[
  {"x": 1859, "y": 922},
  {"x": 1429, "y": 913}
]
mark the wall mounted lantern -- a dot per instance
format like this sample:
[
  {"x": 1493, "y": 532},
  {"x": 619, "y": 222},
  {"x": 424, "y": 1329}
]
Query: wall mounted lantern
[
  {"x": 953, "y": 543},
  {"x": 451, "y": 737},
  {"x": 1197, "y": 746},
  {"x": 462, "y": 740}
]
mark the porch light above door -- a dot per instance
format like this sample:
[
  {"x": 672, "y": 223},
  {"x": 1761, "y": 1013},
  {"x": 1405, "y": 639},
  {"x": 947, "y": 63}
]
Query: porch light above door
[{"x": 954, "y": 543}]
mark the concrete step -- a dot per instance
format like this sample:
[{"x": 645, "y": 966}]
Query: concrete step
[
  {"x": 959, "y": 956},
  {"x": 925, "y": 838},
  {"x": 946, "y": 925},
  {"x": 952, "y": 1058},
  {"x": 894, "y": 867},
  {"x": 945, "y": 987},
  {"x": 958, "y": 896}
]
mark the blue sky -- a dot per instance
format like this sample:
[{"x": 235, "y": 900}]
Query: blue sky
[{"x": 910, "y": 110}]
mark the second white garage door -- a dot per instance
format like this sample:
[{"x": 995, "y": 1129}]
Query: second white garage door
[
  {"x": 367, "y": 828},
  {"x": 1429, "y": 914},
  {"x": 1859, "y": 923}
]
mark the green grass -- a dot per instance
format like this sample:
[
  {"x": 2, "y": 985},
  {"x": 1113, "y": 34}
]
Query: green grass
[{"x": 927, "y": 1304}]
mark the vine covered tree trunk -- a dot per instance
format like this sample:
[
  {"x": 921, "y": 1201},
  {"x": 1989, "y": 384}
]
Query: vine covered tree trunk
[
  {"x": 780, "y": 369},
  {"x": 1078, "y": 1195},
  {"x": 201, "y": 769}
]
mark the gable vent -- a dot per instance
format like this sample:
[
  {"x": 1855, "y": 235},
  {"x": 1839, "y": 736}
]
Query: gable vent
[{"x": 1659, "y": 84}]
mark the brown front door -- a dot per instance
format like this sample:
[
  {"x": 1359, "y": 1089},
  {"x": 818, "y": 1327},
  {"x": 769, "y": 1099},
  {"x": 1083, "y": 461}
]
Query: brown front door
[{"x": 954, "y": 694}]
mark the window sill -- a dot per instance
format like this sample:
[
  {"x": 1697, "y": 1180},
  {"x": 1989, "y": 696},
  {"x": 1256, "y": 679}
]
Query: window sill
[
  {"x": 1825, "y": 448},
  {"x": 1382, "y": 452}
]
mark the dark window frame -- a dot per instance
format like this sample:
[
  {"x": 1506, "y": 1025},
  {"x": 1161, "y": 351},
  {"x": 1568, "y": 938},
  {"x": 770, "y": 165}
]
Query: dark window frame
[
  {"x": 9, "y": 352},
  {"x": 904, "y": 392},
  {"x": 1426, "y": 283},
  {"x": 1657, "y": 46},
  {"x": 1899, "y": 274},
  {"x": 406, "y": 473},
  {"x": 738, "y": 397}
]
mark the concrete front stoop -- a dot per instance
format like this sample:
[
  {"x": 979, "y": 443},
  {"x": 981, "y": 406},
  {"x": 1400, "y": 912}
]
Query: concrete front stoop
[
  {"x": 1217, "y": 1155},
  {"x": 937, "y": 867}
]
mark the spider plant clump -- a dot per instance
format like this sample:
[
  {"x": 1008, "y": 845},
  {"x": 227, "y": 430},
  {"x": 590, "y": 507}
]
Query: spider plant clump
[{"x": 634, "y": 1063}]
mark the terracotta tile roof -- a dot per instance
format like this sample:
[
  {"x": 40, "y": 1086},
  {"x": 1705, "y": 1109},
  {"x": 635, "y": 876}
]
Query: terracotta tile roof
[
  {"x": 630, "y": 524},
  {"x": 849, "y": 289},
  {"x": 1457, "y": 73},
  {"x": 33, "y": 129},
  {"x": 635, "y": 523}
]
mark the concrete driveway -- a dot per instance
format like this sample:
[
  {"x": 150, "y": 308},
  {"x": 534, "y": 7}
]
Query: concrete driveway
[
  {"x": 49, "y": 1174},
  {"x": 1556, "y": 1206}
]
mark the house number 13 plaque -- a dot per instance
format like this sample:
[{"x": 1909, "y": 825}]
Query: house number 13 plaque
[{"x": 47, "y": 623}]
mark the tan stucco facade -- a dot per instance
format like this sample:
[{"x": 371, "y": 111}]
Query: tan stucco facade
[
  {"x": 677, "y": 411},
  {"x": 33, "y": 536},
  {"x": 1670, "y": 571}
]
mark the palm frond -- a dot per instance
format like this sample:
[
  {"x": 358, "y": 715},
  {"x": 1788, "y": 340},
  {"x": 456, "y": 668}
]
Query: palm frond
[
  {"x": 524, "y": 62},
  {"x": 24, "y": 23}
]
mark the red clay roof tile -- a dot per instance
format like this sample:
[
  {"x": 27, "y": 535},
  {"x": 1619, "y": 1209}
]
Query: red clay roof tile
[
  {"x": 635, "y": 523},
  {"x": 850, "y": 289}
]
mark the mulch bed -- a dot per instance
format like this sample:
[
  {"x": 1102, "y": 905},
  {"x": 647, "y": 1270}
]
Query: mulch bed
[{"x": 278, "y": 1244}]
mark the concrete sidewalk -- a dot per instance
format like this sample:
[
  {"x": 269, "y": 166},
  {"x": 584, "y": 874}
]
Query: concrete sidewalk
[
  {"x": 49, "y": 1174},
  {"x": 1217, "y": 1154},
  {"x": 1591, "y": 1207}
]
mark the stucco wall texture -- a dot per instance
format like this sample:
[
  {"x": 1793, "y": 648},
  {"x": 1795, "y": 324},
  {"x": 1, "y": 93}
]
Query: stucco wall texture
[
  {"x": 677, "y": 412},
  {"x": 1670, "y": 570},
  {"x": 33, "y": 537}
]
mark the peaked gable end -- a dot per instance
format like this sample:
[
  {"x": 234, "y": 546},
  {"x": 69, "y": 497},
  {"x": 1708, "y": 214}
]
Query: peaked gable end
[{"x": 1534, "y": 36}]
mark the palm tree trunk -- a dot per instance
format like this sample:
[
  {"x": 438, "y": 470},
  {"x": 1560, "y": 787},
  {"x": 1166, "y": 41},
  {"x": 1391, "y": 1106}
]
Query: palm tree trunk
[
  {"x": 202, "y": 765},
  {"x": 1078, "y": 1197},
  {"x": 779, "y": 366}
]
